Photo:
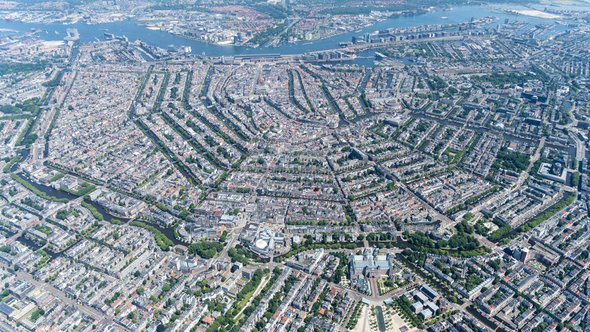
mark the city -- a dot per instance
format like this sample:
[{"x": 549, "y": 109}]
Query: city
[{"x": 424, "y": 175}]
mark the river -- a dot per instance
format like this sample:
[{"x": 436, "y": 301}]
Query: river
[{"x": 134, "y": 31}]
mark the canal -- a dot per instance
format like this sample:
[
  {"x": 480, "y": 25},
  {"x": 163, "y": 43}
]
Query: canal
[{"x": 48, "y": 190}]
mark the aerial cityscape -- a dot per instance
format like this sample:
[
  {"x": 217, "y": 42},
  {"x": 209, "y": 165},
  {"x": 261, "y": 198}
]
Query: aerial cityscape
[{"x": 295, "y": 165}]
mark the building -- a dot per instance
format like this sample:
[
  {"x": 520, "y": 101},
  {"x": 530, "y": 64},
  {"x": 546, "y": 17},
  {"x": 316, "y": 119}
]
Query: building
[
  {"x": 370, "y": 264},
  {"x": 430, "y": 292}
]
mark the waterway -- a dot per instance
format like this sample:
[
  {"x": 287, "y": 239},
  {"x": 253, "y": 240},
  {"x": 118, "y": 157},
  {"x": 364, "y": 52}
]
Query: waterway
[
  {"x": 106, "y": 214},
  {"x": 380, "y": 319},
  {"x": 6, "y": 232},
  {"x": 33, "y": 245},
  {"x": 168, "y": 231},
  {"x": 49, "y": 190},
  {"x": 134, "y": 31}
]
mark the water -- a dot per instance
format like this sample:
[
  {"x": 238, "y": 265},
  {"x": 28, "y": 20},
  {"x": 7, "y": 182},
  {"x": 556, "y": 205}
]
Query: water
[
  {"x": 380, "y": 318},
  {"x": 168, "y": 231},
  {"x": 49, "y": 190},
  {"x": 106, "y": 214},
  {"x": 129, "y": 28},
  {"x": 31, "y": 244}
]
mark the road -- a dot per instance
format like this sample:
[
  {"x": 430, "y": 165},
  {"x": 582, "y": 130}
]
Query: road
[
  {"x": 97, "y": 315},
  {"x": 446, "y": 220},
  {"x": 263, "y": 282},
  {"x": 573, "y": 132},
  {"x": 378, "y": 299},
  {"x": 294, "y": 293},
  {"x": 232, "y": 236},
  {"x": 46, "y": 117},
  {"x": 277, "y": 39},
  {"x": 361, "y": 47},
  {"x": 522, "y": 178},
  {"x": 580, "y": 145}
]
